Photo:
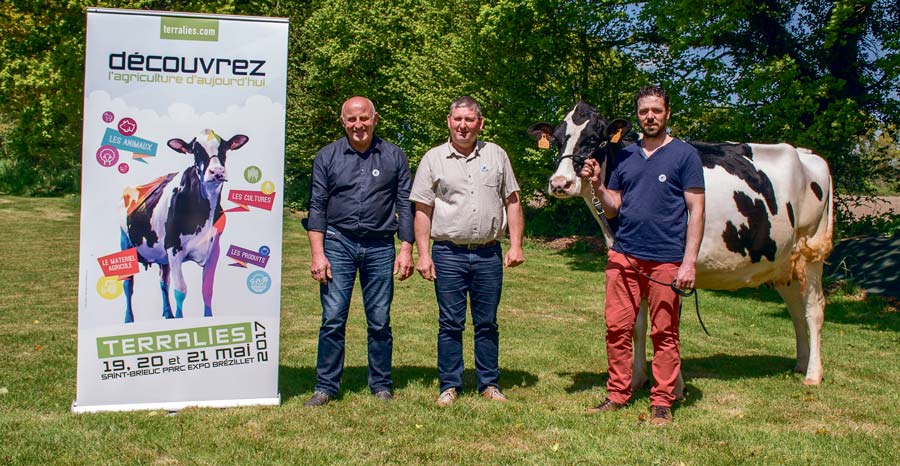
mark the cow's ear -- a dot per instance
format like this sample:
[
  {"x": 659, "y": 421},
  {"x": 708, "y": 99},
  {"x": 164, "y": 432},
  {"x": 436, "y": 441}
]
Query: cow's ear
[
  {"x": 237, "y": 141},
  {"x": 617, "y": 129},
  {"x": 179, "y": 145},
  {"x": 541, "y": 130}
]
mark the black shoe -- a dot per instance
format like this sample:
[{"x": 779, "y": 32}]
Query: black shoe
[
  {"x": 607, "y": 405},
  {"x": 384, "y": 395},
  {"x": 318, "y": 399},
  {"x": 660, "y": 415}
]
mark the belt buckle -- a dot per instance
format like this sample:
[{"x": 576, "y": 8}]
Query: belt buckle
[{"x": 473, "y": 246}]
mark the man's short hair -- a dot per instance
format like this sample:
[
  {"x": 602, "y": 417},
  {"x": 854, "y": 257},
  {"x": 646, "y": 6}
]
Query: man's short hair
[
  {"x": 466, "y": 102},
  {"x": 651, "y": 91}
]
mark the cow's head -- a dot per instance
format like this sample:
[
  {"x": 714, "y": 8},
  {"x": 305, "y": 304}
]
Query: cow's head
[
  {"x": 209, "y": 150},
  {"x": 581, "y": 135}
]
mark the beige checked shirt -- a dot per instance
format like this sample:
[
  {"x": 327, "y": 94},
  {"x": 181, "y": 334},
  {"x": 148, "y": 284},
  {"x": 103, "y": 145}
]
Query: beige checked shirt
[{"x": 467, "y": 193}]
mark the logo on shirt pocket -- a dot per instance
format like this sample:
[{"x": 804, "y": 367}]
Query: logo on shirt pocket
[
  {"x": 662, "y": 178},
  {"x": 375, "y": 172}
]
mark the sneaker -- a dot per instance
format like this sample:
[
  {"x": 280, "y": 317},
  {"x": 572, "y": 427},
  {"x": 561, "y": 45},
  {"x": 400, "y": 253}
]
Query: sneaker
[
  {"x": 494, "y": 394},
  {"x": 447, "y": 397},
  {"x": 606, "y": 405},
  {"x": 384, "y": 395},
  {"x": 318, "y": 399},
  {"x": 660, "y": 415}
]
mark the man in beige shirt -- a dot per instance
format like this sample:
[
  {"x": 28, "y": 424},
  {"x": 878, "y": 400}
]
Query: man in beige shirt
[{"x": 466, "y": 195}]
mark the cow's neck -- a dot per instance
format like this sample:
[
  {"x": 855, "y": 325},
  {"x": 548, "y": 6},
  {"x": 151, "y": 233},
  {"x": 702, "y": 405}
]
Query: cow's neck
[{"x": 211, "y": 191}]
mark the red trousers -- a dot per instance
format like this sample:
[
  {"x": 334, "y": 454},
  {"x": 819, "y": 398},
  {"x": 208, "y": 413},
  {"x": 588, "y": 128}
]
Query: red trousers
[{"x": 624, "y": 289}]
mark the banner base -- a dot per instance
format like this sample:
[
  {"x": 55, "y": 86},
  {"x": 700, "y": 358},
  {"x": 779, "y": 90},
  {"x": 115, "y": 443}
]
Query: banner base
[{"x": 177, "y": 405}]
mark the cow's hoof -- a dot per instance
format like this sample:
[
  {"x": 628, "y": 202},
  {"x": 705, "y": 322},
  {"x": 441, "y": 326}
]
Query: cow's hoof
[{"x": 809, "y": 381}]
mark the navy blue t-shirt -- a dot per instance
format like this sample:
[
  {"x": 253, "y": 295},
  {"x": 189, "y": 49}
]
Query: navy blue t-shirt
[{"x": 653, "y": 217}]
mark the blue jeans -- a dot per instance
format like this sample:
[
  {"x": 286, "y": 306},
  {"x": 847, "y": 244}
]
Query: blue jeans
[
  {"x": 374, "y": 259},
  {"x": 478, "y": 274}
]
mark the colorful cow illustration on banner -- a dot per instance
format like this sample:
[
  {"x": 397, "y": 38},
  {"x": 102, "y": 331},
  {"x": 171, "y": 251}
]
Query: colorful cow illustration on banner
[{"x": 178, "y": 218}]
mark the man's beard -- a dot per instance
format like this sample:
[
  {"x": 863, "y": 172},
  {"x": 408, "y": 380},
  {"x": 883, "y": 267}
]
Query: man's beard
[{"x": 655, "y": 132}]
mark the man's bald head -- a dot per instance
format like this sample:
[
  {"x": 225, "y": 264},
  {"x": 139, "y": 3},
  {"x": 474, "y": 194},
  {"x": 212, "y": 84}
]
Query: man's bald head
[
  {"x": 357, "y": 101},
  {"x": 359, "y": 118}
]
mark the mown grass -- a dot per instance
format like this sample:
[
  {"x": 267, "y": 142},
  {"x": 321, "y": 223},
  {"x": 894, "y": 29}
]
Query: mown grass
[{"x": 744, "y": 404}]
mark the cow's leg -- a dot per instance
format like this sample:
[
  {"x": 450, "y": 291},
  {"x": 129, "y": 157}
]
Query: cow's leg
[
  {"x": 814, "y": 300},
  {"x": 128, "y": 283},
  {"x": 639, "y": 363},
  {"x": 128, "y": 287},
  {"x": 793, "y": 298},
  {"x": 179, "y": 288},
  {"x": 164, "y": 288},
  {"x": 209, "y": 275}
]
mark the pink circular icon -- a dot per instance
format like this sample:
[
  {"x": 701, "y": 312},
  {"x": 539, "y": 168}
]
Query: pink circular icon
[
  {"x": 108, "y": 117},
  {"x": 123, "y": 168},
  {"x": 107, "y": 156},
  {"x": 127, "y": 126}
]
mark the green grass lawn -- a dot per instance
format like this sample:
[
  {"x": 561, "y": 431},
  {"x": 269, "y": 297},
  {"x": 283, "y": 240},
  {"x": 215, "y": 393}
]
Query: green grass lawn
[{"x": 744, "y": 404}]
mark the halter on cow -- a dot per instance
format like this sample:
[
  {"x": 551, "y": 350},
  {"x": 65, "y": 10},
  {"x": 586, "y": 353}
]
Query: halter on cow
[{"x": 768, "y": 220}]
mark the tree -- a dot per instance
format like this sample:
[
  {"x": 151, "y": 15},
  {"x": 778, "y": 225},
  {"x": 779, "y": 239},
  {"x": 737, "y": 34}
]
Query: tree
[{"x": 814, "y": 73}]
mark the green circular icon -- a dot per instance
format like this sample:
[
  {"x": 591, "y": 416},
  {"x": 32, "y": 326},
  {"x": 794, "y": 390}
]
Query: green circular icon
[{"x": 252, "y": 174}]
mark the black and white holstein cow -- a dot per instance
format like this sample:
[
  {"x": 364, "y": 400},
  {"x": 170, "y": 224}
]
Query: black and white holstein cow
[
  {"x": 178, "y": 218},
  {"x": 768, "y": 221}
]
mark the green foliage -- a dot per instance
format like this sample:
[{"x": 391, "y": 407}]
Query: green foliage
[{"x": 816, "y": 74}]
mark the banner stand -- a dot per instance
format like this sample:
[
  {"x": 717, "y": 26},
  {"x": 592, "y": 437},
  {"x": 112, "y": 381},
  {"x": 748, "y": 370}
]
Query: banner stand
[
  {"x": 179, "y": 295},
  {"x": 175, "y": 406}
]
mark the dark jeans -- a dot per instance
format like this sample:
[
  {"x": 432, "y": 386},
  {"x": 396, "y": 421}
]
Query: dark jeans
[
  {"x": 478, "y": 274},
  {"x": 374, "y": 259}
]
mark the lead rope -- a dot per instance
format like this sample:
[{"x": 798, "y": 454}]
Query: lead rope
[{"x": 683, "y": 293}]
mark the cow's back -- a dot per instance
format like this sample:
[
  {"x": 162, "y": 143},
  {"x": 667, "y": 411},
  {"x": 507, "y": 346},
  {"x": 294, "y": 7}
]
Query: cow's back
[{"x": 765, "y": 205}]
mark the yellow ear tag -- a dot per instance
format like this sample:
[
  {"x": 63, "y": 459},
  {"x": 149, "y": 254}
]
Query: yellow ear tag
[
  {"x": 544, "y": 143},
  {"x": 615, "y": 137}
]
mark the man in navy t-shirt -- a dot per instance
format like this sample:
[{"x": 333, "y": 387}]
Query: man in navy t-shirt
[{"x": 657, "y": 192}]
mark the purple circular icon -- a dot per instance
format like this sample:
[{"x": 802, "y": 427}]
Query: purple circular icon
[
  {"x": 123, "y": 168},
  {"x": 127, "y": 126},
  {"x": 107, "y": 156},
  {"x": 108, "y": 117}
]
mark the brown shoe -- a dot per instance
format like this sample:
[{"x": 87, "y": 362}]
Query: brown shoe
[
  {"x": 318, "y": 399},
  {"x": 447, "y": 398},
  {"x": 607, "y": 405},
  {"x": 660, "y": 415},
  {"x": 494, "y": 394}
]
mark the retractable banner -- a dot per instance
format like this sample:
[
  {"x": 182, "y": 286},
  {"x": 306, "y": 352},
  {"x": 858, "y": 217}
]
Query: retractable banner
[{"x": 181, "y": 209}]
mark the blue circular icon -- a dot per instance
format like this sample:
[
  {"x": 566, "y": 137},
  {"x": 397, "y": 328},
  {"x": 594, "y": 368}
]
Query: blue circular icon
[
  {"x": 264, "y": 251},
  {"x": 259, "y": 282}
]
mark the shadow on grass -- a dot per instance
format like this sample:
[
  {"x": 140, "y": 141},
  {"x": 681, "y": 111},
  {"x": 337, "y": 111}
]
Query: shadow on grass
[
  {"x": 294, "y": 381},
  {"x": 582, "y": 256},
  {"x": 718, "y": 366},
  {"x": 868, "y": 313}
]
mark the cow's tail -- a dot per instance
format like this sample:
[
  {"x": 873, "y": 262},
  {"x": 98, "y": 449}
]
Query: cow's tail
[
  {"x": 822, "y": 241},
  {"x": 814, "y": 246}
]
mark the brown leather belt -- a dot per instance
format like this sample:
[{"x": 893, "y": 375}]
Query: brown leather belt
[{"x": 470, "y": 246}]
